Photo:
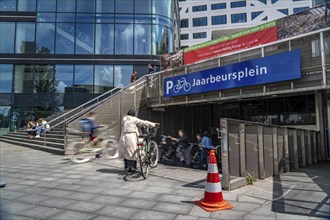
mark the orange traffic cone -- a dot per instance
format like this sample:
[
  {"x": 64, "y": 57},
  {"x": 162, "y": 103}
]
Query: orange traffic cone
[{"x": 213, "y": 199}]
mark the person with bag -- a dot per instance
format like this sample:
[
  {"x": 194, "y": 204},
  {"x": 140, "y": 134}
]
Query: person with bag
[{"x": 129, "y": 138}]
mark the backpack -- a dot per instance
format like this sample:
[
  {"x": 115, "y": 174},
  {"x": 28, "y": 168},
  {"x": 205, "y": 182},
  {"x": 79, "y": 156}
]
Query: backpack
[{"x": 86, "y": 127}]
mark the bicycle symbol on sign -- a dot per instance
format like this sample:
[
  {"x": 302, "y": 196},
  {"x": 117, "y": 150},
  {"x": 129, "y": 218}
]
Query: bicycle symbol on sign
[{"x": 182, "y": 84}]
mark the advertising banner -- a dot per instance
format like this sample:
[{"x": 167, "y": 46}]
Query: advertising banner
[
  {"x": 261, "y": 34},
  {"x": 275, "y": 68},
  {"x": 289, "y": 26}
]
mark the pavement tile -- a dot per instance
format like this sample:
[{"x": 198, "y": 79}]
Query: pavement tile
[
  {"x": 109, "y": 200},
  {"x": 116, "y": 211},
  {"x": 48, "y": 179},
  {"x": 244, "y": 198},
  {"x": 138, "y": 203},
  {"x": 265, "y": 210},
  {"x": 32, "y": 199},
  {"x": 81, "y": 196},
  {"x": 158, "y": 189},
  {"x": 58, "y": 202},
  {"x": 318, "y": 218},
  {"x": 199, "y": 212},
  {"x": 144, "y": 195},
  {"x": 117, "y": 192},
  {"x": 34, "y": 190},
  {"x": 14, "y": 207},
  {"x": 244, "y": 206},
  {"x": 173, "y": 208},
  {"x": 256, "y": 217},
  {"x": 40, "y": 212},
  {"x": 227, "y": 214},
  {"x": 100, "y": 217},
  {"x": 230, "y": 196},
  {"x": 189, "y": 192},
  {"x": 283, "y": 216},
  {"x": 153, "y": 215},
  {"x": 186, "y": 217},
  {"x": 85, "y": 206},
  {"x": 67, "y": 181},
  {"x": 48, "y": 184},
  {"x": 69, "y": 187},
  {"x": 29, "y": 182},
  {"x": 10, "y": 194},
  {"x": 68, "y": 215},
  {"x": 175, "y": 198},
  {"x": 10, "y": 216},
  {"x": 90, "y": 189}
]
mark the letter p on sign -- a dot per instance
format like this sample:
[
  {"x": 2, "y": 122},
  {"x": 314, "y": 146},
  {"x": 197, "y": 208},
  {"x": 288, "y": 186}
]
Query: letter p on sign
[{"x": 169, "y": 85}]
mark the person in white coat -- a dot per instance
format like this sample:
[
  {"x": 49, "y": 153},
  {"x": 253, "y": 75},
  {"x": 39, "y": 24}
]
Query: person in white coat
[{"x": 129, "y": 138}]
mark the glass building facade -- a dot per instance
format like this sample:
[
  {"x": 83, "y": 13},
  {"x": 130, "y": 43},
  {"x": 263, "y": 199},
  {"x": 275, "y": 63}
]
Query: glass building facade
[{"x": 58, "y": 54}]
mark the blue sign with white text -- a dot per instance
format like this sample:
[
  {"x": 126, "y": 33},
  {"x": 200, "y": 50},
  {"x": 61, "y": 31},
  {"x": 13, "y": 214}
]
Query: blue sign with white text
[{"x": 275, "y": 68}]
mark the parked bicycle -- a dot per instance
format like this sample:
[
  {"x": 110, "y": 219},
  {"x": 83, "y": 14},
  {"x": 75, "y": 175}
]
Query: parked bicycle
[
  {"x": 103, "y": 146},
  {"x": 148, "y": 152}
]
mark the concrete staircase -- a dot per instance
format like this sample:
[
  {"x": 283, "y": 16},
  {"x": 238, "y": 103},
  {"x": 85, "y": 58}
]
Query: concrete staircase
[{"x": 51, "y": 141}]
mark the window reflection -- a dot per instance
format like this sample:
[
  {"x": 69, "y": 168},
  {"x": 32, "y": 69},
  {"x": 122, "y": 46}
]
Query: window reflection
[
  {"x": 124, "y": 6},
  {"x": 25, "y": 37},
  {"x": 26, "y": 5},
  {"x": 7, "y": 36},
  {"x": 142, "y": 39},
  {"x": 84, "y": 38},
  {"x": 66, "y": 5},
  {"x": 105, "y": 6},
  {"x": 143, "y": 6},
  {"x": 8, "y": 5},
  {"x": 65, "y": 38},
  {"x": 65, "y": 17},
  {"x": 45, "y": 38},
  {"x": 64, "y": 77},
  {"x": 23, "y": 79},
  {"x": 46, "y": 17},
  {"x": 6, "y": 78},
  {"x": 124, "y": 33},
  {"x": 83, "y": 79},
  {"x": 160, "y": 40},
  {"x": 162, "y": 7},
  {"x": 85, "y": 6},
  {"x": 103, "y": 78},
  {"x": 122, "y": 75},
  {"x": 104, "y": 39},
  {"x": 46, "y": 5}
]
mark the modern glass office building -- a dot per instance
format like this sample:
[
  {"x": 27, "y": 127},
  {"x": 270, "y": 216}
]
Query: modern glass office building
[{"x": 58, "y": 54}]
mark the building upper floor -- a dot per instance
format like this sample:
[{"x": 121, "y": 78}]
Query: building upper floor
[
  {"x": 85, "y": 27},
  {"x": 205, "y": 20}
]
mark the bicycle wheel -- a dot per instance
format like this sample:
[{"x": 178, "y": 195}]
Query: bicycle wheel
[
  {"x": 153, "y": 154},
  {"x": 144, "y": 164},
  {"x": 109, "y": 149},
  {"x": 79, "y": 157}
]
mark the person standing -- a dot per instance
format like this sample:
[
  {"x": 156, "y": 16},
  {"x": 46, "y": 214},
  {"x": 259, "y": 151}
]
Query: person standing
[
  {"x": 207, "y": 145},
  {"x": 129, "y": 138},
  {"x": 150, "y": 68},
  {"x": 134, "y": 76},
  {"x": 184, "y": 153}
]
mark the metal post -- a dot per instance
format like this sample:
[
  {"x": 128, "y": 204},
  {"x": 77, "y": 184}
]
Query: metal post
[
  {"x": 261, "y": 152},
  {"x": 275, "y": 152},
  {"x": 295, "y": 149},
  {"x": 324, "y": 71},
  {"x": 242, "y": 149},
  {"x": 225, "y": 154},
  {"x": 314, "y": 147},
  {"x": 309, "y": 148},
  {"x": 303, "y": 148},
  {"x": 286, "y": 150}
]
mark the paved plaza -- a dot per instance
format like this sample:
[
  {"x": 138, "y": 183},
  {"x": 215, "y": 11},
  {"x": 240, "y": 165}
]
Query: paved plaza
[{"x": 41, "y": 185}]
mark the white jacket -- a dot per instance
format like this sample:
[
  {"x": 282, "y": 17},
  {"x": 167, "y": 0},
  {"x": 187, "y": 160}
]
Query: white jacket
[{"x": 130, "y": 134}]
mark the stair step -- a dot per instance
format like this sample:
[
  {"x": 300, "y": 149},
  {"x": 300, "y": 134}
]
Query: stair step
[
  {"x": 37, "y": 141},
  {"x": 34, "y": 146}
]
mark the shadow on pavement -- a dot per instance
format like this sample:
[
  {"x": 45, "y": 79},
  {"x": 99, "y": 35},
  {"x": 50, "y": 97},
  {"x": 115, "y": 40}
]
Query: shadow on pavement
[
  {"x": 303, "y": 192},
  {"x": 115, "y": 171},
  {"x": 196, "y": 184}
]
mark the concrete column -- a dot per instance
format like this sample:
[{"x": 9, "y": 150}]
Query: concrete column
[
  {"x": 275, "y": 152},
  {"x": 242, "y": 149},
  {"x": 314, "y": 147},
  {"x": 261, "y": 152}
]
